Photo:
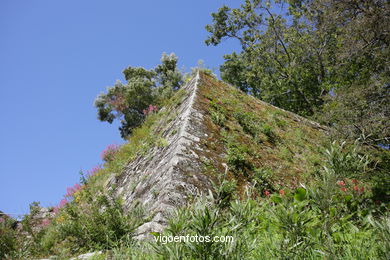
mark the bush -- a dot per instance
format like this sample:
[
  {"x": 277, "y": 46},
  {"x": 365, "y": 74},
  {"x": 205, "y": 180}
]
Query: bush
[
  {"x": 8, "y": 237},
  {"x": 96, "y": 222},
  {"x": 217, "y": 113},
  {"x": 248, "y": 123},
  {"x": 237, "y": 159}
]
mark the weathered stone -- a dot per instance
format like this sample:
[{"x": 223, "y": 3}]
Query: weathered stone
[{"x": 162, "y": 182}]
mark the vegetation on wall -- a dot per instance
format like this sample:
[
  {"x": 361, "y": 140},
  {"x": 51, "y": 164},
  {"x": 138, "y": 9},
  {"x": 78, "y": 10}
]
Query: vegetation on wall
[
  {"x": 290, "y": 188},
  {"x": 282, "y": 196}
]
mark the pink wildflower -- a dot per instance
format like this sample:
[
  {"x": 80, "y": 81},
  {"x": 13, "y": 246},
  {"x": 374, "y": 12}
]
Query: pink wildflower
[
  {"x": 341, "y": 183},
  {"x": 62, "y": 203},
  {"x": 354, "y": 181},
  {"x": 282, "y": 193},
  {"x": 355, "y": 188},
  {"x": 344, "y": 189},
  {"x": 94, "y": 170},
  {"x": 108, "y": 154},
  {"x": 267, "y": 193},
  {"x": 149, "y": 110},
  {"x": 72, "y": 190},
  {"x": 45, "y": 222}
]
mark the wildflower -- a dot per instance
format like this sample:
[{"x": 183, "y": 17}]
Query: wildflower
[
  {"x": 344, "y": 189},
  {"x": 355, "y": 188},
  {"x": 108, "y": 154},
  {"x": 281, "y": 192},
  {"x": 267, "y": 193},
  {"x": 45, "y": 222},
  {"x": 61, "y": 219},
  {"x": 94, "y": 170},
  {"x": 62, "y": 203},
  {"x": 362, "y": 189},
  {"x": 72, "y": 190},
  {"x": 149, "y": 110},
  {"x": 77, "y": 198},
  {"x": 354, "y": 181},
  {"x": 341, "y": 183}
]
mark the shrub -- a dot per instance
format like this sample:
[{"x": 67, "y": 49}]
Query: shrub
[
  {"x": 248, "y": 123},
  {"x": 218, "y": 118},
  {"x": 8, "y": 237},
  {"x": 217, "y": 113},
  {"x": 96, "y": 222},
  {"x": 267, "y": 131},
  {"x": 237, "y": 160}
]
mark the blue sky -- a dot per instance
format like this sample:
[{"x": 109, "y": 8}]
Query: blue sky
[{"x": 55, "y": 57}]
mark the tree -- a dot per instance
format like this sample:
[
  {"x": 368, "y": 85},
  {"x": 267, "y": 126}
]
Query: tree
[
  {"x": 313, "y": 57},
  {"x": 282, "y": 58},
  {"x": 127, "y": 102},
  {"x": 359, "y": 106}
]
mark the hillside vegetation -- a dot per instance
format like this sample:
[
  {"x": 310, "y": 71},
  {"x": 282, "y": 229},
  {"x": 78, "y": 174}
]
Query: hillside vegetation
[
  {"x": 282, "y": 190},
  {"x": 284, "y": 186}
]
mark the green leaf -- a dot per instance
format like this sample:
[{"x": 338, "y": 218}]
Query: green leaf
[
  {"x": 300, "y": 194},
  {"x": 348, "y": 198},
  {"x": 156, "y": 234},
  {"x": 276, "y": 199}
]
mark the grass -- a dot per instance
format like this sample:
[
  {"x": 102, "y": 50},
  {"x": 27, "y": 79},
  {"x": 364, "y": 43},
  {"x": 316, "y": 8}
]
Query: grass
[{"x": 256, "y": 135}]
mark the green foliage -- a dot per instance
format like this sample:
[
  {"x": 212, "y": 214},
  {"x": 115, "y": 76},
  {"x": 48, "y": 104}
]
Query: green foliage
[
  {"x": 237, "y": 159},
  {"x": 291, "y": 225},
  {"x": 359, "y": 112},
  {"x": 224, "y": 191},
  {"x": 127, "y": 102},
  {"x": 267, "y": 130},
  {"x": 8, "y": 237},
  {"x": 218, "y": 118},
  {"x": 162, "y": 142},
  {"x": 217, "y": 113},
  {"x": 324, "y": 58},
  {"x": 280, "y": 62},
  {"x": 346, "y": 161},
  {"x": 261, "y": 179},
  {"x": 94, "y": 222},
  {"x": 248, "y": 123}
]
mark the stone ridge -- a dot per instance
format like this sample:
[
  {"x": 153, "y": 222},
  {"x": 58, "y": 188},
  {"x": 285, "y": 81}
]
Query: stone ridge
[
  {"x": 166, "y": 177},
  {"x": 173, "y": 170}
]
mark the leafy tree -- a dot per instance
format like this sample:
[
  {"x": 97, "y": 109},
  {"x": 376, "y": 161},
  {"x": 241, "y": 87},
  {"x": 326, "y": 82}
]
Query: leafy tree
[
  {"x": 282, "y": 58},
  {"x": 127, "y": 102},
  {"x": 359, "y": 106},
  {"x": 313, "y": 57}
]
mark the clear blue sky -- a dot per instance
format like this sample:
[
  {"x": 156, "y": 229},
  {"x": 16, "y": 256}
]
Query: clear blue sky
[{"x": 55, "y": 57}]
